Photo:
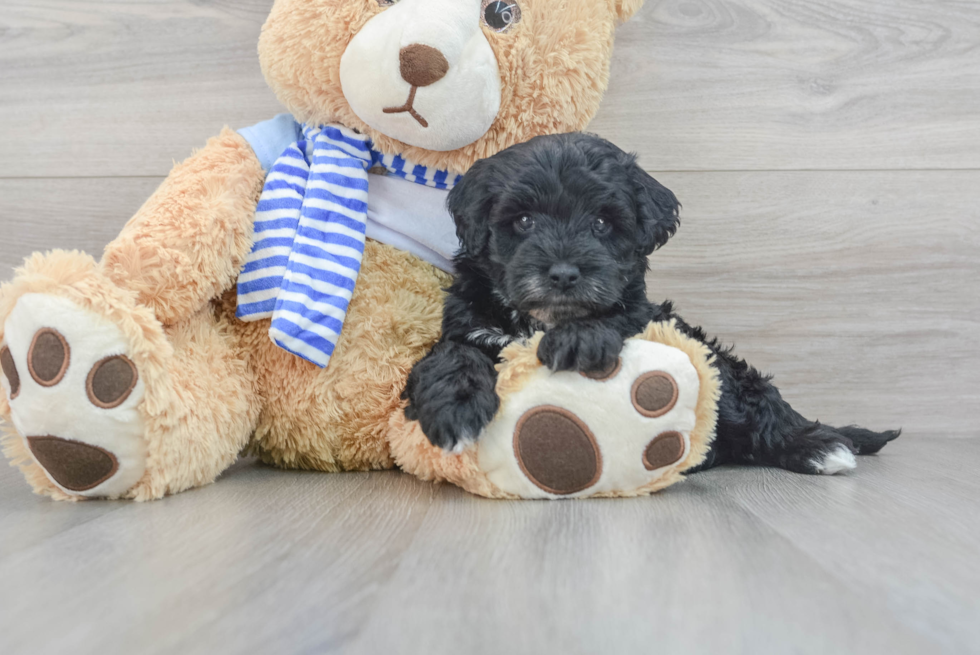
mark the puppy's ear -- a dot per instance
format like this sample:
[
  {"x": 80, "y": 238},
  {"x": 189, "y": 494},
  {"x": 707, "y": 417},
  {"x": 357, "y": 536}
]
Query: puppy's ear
[
  {"x": 470, "y": 203},
  {"x": 657, "y": 209}
]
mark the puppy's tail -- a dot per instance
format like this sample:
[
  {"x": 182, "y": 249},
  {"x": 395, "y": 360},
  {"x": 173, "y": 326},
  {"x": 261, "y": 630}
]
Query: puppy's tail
[{"x": 867, "y": 442}]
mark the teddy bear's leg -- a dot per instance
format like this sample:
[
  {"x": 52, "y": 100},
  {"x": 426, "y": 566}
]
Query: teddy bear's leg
[
  {"x": 208, "y": 408},
  {"x": 102, "y": 400},
  {"x": 186, "y": 244}
]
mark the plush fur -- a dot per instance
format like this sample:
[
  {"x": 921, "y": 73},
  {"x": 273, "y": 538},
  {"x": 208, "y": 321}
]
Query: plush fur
[
  {"x": 214, "y": 385},
  {"x": 556, "y": 233},
  {"x": 336, "y": 418},
  {"x": 186, "y": 244}
]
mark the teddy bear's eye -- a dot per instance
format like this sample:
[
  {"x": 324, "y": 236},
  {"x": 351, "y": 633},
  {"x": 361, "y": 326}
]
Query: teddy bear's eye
[{"x": 500, "y": 15}]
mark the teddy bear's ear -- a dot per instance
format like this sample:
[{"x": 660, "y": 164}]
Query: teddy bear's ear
[
  {"x": 625, "y": 9},
  {"x": 657, "y": 209},
  {"x": 470, "y": 203}
]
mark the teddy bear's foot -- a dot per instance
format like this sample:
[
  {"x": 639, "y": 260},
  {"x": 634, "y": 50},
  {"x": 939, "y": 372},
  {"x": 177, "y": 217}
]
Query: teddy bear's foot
[
  {"x": 73, "y": 392},
  {"x": 624, "y": 432},
  {"x": 628, "y": 431},
  {"x": 104, "y": 400}
]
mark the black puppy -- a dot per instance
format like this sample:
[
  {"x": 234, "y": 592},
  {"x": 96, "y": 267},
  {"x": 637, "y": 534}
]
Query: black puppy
[{"x": 555, "y": 236}]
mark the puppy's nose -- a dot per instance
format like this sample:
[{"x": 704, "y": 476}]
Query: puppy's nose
[
  {"x": 564, "y": 275},
  {"x": 422, "y": 65}
]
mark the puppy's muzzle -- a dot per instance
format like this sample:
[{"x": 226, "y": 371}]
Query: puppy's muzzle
[{"x": 564, "y": 276}]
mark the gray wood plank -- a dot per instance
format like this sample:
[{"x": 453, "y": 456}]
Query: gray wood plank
[
  {"x": 900, "y": 532},
  {"x": 28, "y": 519},
  {"x": 70, "y": 214},
  {"x": 261, "y": 559},
  {"x": 798, "y": 84},
  {"x": 733, "y": 560},
  {"x": 116, "y": 87},
  {"x": 684, "y": 572},
  {"x": 122, "y": 88}
]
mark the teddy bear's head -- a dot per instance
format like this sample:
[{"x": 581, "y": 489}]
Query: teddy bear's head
[{"x": 442, "y": 82}]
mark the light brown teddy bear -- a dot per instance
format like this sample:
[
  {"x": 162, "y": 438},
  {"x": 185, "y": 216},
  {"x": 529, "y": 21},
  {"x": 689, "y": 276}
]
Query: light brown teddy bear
[{"x": 134, "y": 378}]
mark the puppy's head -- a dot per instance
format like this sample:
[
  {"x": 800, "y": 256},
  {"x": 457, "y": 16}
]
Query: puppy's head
[{"x": 562, "y": 224}]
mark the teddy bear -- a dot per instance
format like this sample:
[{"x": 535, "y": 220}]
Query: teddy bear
[{"x": 272, "y": 295}]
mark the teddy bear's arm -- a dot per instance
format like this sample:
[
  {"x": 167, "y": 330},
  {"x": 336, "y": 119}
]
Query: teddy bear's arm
[{"x": 186, "y": 244}]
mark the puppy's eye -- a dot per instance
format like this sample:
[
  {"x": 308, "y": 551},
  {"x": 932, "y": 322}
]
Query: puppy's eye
[
  {"x": 524, "y": 224},
  {"x": 601, "y": 226},
  {"x": 500, "y": 15},
  {"x": 387, "y": 3}
]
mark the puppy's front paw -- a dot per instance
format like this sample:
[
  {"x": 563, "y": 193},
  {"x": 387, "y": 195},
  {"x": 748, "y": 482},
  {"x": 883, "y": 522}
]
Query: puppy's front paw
[
  {"x": 454, "y": 425},
  {"x": 584, "y": 348},
  {"x": 451, "y": 394}
]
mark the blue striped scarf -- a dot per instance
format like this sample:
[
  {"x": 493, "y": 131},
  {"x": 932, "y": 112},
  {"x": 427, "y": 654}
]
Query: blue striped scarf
[{"x": 309, "y": 237}]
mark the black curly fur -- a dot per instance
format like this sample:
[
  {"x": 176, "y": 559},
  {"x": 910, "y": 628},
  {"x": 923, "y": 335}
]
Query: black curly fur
[{"x": 555, "y": 236}]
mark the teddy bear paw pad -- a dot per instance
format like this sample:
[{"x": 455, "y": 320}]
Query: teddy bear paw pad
[
  {"x": 74, "y": 395},
  {"x": 664, "y": 450},
  {"x": 557, "y": 451},
  {"x": 573, "y": 435}
]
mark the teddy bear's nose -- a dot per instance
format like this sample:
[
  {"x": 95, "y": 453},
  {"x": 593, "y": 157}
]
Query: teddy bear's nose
[{"x": 422, "y": 65}]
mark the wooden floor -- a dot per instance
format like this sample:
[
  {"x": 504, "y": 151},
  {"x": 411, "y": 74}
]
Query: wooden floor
[
  {"x": 738, "y": 560},
  {"x": 827, "y": 153}
]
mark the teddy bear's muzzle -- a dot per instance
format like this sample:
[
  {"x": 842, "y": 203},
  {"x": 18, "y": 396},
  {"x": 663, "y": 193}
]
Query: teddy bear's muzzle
[
  {"x": 424, "y": 73},
  {"x": 420, "y": 66}
]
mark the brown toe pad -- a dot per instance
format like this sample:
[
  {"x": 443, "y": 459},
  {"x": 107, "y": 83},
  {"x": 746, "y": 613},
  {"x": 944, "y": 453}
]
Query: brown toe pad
[
  {"x": 665, "y": 449},
  {"x": 557, "y": 451},
  {"x": 74, "y": 465},
  {"x": 655, "y": 394},
  {"x": 10, "y": 371},
  {"x": 111, "y": 381},
  {"x": 48, "y": 357}
]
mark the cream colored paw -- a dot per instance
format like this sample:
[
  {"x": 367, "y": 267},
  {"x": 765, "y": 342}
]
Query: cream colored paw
[
  {"x": 74, "y": 394},
  {"x": 565, "y": 435}
]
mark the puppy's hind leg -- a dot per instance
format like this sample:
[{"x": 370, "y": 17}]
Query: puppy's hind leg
[
  {"x": 756, "y": 426},
  {"x": 868, "y": 442},
  {"x": 795, "y": 444},
  {"x": 813, "y": 448}
]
